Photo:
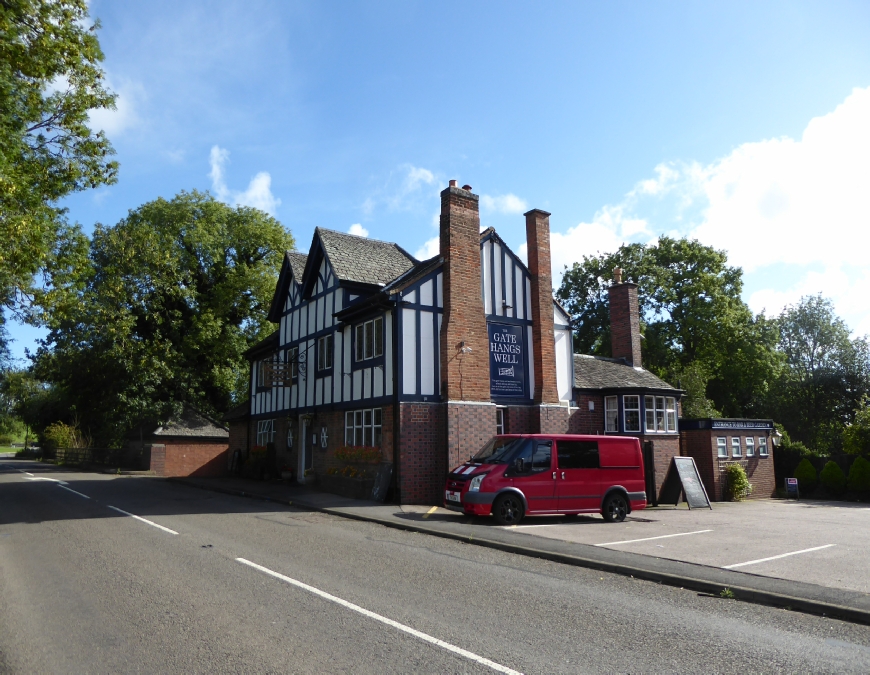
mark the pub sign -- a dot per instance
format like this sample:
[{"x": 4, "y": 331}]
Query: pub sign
[{"x": 507, "y": 360}]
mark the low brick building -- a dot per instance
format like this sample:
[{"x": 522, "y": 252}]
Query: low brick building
[
  {"x": 189, "y": 445},
  {"x": 716, "y": 443}
]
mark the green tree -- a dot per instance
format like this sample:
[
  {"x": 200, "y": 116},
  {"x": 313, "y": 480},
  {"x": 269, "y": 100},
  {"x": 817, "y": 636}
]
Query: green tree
[
  {"x": 50, "y": 79},
  {"x": 155, "y": 312},
  {"x": 856, "y": 436},
  {"x": 827, "y": 374},
  {"x": 694, "y": 321}
]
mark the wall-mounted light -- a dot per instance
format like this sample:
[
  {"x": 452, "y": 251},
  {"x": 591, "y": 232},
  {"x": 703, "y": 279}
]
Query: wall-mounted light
[{"x": 591, "y": 405}]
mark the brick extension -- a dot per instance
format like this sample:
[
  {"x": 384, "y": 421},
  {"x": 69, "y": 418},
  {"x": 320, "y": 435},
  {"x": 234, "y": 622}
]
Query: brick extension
[
  {"x": 543, "y": 339},
  {"x": 189, "y": 459},
  {"x": 625, "y": 323}
]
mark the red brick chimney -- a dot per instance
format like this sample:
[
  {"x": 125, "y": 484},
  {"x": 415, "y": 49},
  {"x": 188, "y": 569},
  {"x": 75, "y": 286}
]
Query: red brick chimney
[
  {"x": 543, "y": 340},
  {"x": 464, "y": 341},
  {"x": 624, "y": 320}
]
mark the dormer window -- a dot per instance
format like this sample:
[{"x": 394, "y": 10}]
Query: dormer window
[{"x": 370, "y": 339}]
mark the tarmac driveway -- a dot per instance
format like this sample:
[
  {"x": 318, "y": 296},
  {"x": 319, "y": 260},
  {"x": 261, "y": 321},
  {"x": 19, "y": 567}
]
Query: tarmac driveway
[{"x": 824, "y": 543}]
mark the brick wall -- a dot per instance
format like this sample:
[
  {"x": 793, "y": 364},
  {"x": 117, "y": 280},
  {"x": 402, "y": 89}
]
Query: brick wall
[
  {"x": 189, "y": 458},
  {"x": 465, "y": 375},
  {"x": 625, "y": 323},
  {"x": 664, "y": 448},
  {"x": 701, "y": 444},
  {"x": 423, "y": 463},
  {"x": 543, "y": 340},
  {"x": 585, "y": 421},
  {"x": 469, "y": 427}
]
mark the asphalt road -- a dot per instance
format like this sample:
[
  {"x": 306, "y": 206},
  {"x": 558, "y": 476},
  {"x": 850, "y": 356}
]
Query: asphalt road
[{"x": 246, "y": 586}]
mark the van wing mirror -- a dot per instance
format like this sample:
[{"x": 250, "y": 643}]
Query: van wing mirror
[{"x": 520, "y": 465}]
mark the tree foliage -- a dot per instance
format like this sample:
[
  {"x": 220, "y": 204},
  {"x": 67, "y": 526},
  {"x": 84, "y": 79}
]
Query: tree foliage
[
  {"x": 827, "y": 374},
  {"x": 694, "y": 321},
  {"x": 155, "y": 312},
  {"x": 50, "y": 79}
]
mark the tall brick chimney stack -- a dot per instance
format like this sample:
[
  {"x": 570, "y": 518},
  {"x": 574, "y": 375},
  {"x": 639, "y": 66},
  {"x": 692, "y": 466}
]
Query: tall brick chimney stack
[
  {"x": 624, "y": 320},
  {"x": 543, "y": 340},
  {"x": 464, "y": 340}
]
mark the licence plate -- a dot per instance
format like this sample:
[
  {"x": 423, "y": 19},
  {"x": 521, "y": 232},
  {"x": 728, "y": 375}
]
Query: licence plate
[{"x": 453, "y": 496}]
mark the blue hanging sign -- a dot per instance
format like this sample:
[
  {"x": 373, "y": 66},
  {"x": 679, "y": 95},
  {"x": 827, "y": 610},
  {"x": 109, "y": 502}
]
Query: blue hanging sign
[{"x": 507, "y": 360}]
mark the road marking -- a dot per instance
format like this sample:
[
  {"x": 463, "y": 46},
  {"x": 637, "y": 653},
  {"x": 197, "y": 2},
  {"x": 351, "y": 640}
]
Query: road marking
[
  {"x": 73, "y": 491},
  {"x": 144, "y": 520},
  {"x": 430, "y": 512},
  {"x": 776, "y": 557},
  {"x": 377, "y": 617},
  {"x": 664, "y": 536},
  {"x": 47, "y": 480}
]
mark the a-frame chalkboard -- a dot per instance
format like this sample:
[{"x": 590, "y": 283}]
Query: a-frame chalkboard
[{"x": 683, "y": 478}]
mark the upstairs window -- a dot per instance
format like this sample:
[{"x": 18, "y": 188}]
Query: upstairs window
[
  {"x": 631, "y": 410},
  {"x": 293, "y": 360},
  {"x": 762, "y": 446},
  {"x": 324, "y": 352},
  {"x": 722, "y": 447},
  {"x": 736, "y": 450},
  {"x": 750, "y": 446},
  {"x": 370, "y": 339},
  {"x": 611, "y": 413}
]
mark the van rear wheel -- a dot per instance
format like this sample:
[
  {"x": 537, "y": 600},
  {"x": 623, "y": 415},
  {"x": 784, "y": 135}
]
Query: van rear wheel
[
  {"x": 508, "y": 509},
  {"x": 615, "y": 508}
]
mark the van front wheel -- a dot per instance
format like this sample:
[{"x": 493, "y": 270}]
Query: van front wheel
[
  {"x": 615, "y": 508},
  {"x": 508, "y": 509}
]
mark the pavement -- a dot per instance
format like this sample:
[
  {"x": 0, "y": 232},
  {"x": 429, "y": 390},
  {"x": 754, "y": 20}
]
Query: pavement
[{"x": 709, "y": 551}]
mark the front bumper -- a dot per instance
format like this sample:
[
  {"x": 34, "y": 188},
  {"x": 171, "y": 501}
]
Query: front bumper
[{"x": 473, "y": 503}]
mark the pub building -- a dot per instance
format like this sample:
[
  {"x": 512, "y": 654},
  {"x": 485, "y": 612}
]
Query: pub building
[{"x": 427, "y": 360}]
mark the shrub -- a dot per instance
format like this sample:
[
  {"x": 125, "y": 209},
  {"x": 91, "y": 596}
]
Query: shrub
[
  {"x": 5, "y": 439},
  {"x": 833, "y": 479},
  {"x": 738, "y": 486},
  {"x": 361, "y": 454},
  {"x": 859, "y": 476},
  {"x": 805, "y": 472}
]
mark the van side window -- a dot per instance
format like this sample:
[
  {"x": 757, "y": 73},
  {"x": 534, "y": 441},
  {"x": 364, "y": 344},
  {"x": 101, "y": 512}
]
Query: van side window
[
  {"x": 578, "y": 455},
  {"x": 541, "y": 456}
]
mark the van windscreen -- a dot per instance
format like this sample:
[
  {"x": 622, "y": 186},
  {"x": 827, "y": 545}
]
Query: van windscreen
[{"x": 501, "y": 450}]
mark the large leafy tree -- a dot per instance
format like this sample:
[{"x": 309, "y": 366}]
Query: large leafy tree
[
  {"x": 155, "y": 312},
  {"x": 695, "y": 325},
  {"x": 50, "y": 79},
  {"x": 827, "y": 376}
]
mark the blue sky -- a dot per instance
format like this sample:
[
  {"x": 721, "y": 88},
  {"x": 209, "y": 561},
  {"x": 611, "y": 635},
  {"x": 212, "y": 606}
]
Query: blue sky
[{"x": 746, "y": 125}]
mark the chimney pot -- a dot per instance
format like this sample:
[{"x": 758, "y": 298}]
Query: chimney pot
[
  {"x": 452, "y": 183},
  {"x": 617, "y": 275},
  {"x": 466, "y": 187}
]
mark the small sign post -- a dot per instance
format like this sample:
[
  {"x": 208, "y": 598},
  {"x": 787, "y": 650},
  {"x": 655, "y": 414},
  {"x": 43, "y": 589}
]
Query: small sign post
[{"x": 791, "y": 488}]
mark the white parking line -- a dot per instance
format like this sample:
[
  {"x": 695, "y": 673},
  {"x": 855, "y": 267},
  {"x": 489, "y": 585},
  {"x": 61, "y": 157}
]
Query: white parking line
[
  {"x": 377, "y": 617},
  {"x": 144, "y": 520},
  {"x": 664, "y": 536},
  {"x": 64, "y": 487},
  {"x": 776, "y": 557}
]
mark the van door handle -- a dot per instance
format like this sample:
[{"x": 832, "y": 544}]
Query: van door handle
[
  {"x": 554, "y": 475},
  {"x": 563, "y": 475}
]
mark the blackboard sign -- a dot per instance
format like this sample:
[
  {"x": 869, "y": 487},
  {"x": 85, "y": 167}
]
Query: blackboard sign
[
  {"x": 791, "y": 488},
  {"x": 683, "y": 478},
  {"x": 382, "y": 482},
  {"x": 507, "y": 360}
]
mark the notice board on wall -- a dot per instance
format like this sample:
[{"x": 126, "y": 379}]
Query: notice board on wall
[{"x": 683, "y": 478}]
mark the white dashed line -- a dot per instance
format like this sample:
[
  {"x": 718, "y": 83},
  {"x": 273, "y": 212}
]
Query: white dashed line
[
  {"x": 776, "y": 557},
  {"x": 144, "y": 520},
  {"x": 64, "y": 487},
  {"x": 389, "y": 622},
  {"x": 664, "y": 536}
]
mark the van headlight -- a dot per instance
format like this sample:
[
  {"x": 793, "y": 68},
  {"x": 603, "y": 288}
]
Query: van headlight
[{"x": 474, "y": 486}]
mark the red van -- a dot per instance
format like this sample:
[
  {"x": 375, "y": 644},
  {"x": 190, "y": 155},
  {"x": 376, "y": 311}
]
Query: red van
[{"x": 517, "y": 475}]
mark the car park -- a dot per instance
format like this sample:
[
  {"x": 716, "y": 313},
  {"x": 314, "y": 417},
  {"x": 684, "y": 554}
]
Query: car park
[{"x": 516, "y": 475}]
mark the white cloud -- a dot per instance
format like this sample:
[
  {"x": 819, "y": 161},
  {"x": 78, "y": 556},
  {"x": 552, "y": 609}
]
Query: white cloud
[
  {"x": 358, "y": 230},
  {"x": 407, "y": 188},
  {"x": 508, "y": 204},
  {"x": 782, "y": 201},
  {"x": 430, "y": 249},
  {"x": 259, "y": 193},
  {"x": 130, "y": 96}
]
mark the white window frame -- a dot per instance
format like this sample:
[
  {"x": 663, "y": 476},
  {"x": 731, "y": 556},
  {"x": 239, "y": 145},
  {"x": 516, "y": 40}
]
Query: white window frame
[
  {"x": 289, "y": 436},
  {"x": 369, "y": 338},
  {"x": 671, "y": 414},
  {"x": 722, "y": 447},
  {"x": 325, "y": 349},
  {"x": 611, "y": 413},
  {"x": 265, "y": 432},
  {"x": 762, "y": 446},
  {"x": 499, "y": 421},
  {"x": 750, "y": 446},
  {"x": 736, "y": 448},
  {"x": 649, "y": 405},
  {"x": 627, "y": 409},
  {"x": 364, "y": 428}
]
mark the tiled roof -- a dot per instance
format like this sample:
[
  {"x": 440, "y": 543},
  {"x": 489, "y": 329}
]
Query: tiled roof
[
  {"x": 363, "y": 260},
  {"x": 297, "y": 264},
  {"x": 238, "y": 412},
  {"x": 191, "y": 424},
  {"x": 598, "y": 372}
]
